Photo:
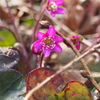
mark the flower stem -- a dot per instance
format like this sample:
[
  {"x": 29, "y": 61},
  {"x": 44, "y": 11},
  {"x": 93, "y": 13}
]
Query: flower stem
[
  {"x": 37, "y": 22},
  {"x": 18, "y": 37},
  {"x": 41, "y": 60},
  {"x": 16, "y": 30}
]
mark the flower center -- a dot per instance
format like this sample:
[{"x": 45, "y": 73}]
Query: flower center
[
  {"x": 48, "y": 42},
  {"x": 53, "y": 6}
]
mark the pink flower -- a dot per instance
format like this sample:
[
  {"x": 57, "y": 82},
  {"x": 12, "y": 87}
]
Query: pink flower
[
  {"x": 35, "y": 51},
  {"x": 76, "y": 40},
  {"x": 47, "y": 42},
  {"x": 53, "y": 7}
]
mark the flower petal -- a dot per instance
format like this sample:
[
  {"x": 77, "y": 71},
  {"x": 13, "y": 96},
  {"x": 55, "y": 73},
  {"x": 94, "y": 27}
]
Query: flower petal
[
  {"x": 58, "y": 39},
  {"x": 34, "y": 48},
  {"x": 37, "y": 44},
  {"x": 40, "y": 35},
  {"x": 59, "y": 2},
  {"x": 47, "y": 52},
  {"x": 76, "y": 36},
  {"x": 78, "y": 45},
  {"x": 51, "y": 13},
  {"x": 47, "y": 10},
  {"x": 51, "y": 31},
  {"x": 35, "y": 51},
  {"x": 60, "y": 11},
  {"x": 57, "y": 48},
  {"x": 49, "y": 1}
]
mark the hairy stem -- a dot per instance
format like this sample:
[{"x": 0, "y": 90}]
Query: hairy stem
[
  {"x": 41, "y": 60},
  {"x": 37, "y": 22},
  {"x": 19, "y": 39},
  {"x": 16, "y": 30}
]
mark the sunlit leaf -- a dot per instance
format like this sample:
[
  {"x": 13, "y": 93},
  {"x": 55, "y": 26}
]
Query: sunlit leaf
[
  {"x": 9, "y": 40},
  {"x": 75, "y": 90},
  {"x": 11, "y": 85},
  {"x": 48, "y": 91},
  {"x": 29, "y": 22}
]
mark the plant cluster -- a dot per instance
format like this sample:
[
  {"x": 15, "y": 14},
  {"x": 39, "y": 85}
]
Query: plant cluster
[{"x": 25, "y": 66}]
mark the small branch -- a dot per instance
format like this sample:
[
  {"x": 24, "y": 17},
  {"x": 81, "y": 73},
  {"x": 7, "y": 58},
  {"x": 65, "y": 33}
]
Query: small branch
[
  {"x": 59, "y": 71},
  {"x": 95, "y": 42},
  {"x": 87, "y": 69}
]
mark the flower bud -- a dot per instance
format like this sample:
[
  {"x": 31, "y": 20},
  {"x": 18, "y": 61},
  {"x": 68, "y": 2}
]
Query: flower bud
[
  {"x": 45, "y": 24},
  {"x": 35, "y": 51}
]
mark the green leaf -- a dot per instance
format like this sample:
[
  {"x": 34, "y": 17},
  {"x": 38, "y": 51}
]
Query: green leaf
[
  {"x": 75, "y": 90},
  {"x": 11, "y": 85},
  {"x": 9, "y": 40},
  {"x": 29, "y": 22},
  {"x": 48, "y": 91},
  {"x": 61, "y": 96}
]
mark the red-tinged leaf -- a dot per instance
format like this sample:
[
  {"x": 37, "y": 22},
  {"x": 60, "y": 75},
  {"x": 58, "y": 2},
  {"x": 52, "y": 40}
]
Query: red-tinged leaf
[
  {"x": 75, "y": 90},
  {"x": 51, "y": 88}
]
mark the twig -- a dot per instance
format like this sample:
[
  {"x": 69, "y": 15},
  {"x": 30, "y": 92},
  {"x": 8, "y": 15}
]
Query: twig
[
  {"x": 95, "y": 42},
  {"x": 59, "y": 71}
]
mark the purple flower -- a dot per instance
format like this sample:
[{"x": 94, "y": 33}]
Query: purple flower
[
  {"x": 53, "y": 7},
  {"x": 47, "y": 42},
  {"x": 76, "y": 40}
]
